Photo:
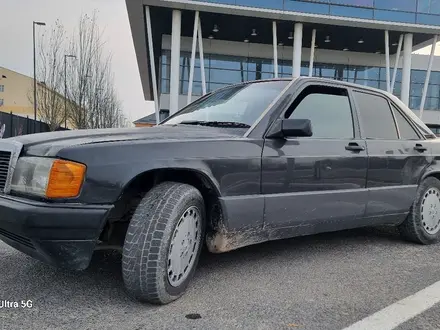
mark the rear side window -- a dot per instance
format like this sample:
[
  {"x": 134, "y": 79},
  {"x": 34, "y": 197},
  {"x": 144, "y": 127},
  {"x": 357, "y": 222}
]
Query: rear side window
[
  {"x": 405, "y": 128},
  {"x": 376, "y": 119},
  {"x": 328, "y": 110}
]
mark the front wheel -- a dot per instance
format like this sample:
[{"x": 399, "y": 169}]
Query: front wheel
[
  {"x": 422, "y": 224},
  {"x": 163, "y": 243}
]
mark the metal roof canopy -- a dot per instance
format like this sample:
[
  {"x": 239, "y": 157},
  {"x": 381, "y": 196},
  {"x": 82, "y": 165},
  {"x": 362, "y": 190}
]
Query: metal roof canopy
[{"x": 237, "y": 28}]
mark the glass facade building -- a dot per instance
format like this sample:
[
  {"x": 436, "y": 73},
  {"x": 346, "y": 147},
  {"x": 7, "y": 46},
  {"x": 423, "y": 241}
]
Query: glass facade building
[
  {"x": 406, "y": 11},
  {"x": 221, "y": 70},
  {"x": 347, "y": 40}
]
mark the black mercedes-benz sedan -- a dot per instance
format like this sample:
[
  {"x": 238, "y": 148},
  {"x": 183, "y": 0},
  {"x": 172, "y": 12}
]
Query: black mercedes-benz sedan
[{"x": 245, "y": 164}]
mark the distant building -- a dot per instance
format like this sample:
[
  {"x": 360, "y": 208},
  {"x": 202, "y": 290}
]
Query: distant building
[
  {"x": 150, "y": 120},
  {"x": 349, "y": 40},
  {"x": 16, "y": 93}
]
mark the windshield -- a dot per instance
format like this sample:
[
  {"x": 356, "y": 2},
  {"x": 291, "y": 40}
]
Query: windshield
[{"x": 236, "y": 106}]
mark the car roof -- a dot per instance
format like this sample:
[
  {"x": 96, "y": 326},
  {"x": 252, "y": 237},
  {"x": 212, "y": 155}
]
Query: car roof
[{"x": 326, "y": 80}]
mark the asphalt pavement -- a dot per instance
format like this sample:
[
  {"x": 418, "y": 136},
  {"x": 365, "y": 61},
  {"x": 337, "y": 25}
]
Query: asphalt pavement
[{"x": 327, "y": 281}]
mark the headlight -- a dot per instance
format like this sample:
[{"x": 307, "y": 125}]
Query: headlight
[{"x": 48, "y": 177}]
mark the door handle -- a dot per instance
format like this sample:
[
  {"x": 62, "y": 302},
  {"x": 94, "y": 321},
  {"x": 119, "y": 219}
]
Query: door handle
[
  {"x": 353, "y": 146},
  {"x": 420, "y": 148}
]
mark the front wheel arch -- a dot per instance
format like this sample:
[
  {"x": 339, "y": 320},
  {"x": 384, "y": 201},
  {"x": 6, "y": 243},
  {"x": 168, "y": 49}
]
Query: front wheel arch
[
  {"x": 139, "y": 185},
  {"x": 434, "y": 173}
]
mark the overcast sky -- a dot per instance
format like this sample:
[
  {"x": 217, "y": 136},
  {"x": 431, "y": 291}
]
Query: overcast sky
[{"x": 16, "y": 40}]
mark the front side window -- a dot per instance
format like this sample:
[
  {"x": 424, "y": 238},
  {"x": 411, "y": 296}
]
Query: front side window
[
  {"x": 328, "y": 110},
  {"x": 239, "y": 104},
  {"x": 376, "y": 119}
]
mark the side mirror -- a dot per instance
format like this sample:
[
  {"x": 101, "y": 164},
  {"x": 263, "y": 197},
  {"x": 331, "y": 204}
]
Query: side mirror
[{"x": 291, "y": 128}]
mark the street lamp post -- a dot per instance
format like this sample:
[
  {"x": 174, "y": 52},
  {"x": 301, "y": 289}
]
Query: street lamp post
[
  {"x": 35, "y": 73},
  {"x": 97, "y": 106},
  {"x": 88, "y": 103},
  {"x": 65, "y": 87}
]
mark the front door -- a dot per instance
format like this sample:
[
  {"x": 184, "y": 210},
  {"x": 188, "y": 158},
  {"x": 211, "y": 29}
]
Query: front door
[
  {"x": 398, "y": 155},
  {"x": 316, "y": 183}
]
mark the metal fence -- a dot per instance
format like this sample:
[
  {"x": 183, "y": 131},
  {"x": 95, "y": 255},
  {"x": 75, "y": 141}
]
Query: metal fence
[{"x": 13, "y": 125}]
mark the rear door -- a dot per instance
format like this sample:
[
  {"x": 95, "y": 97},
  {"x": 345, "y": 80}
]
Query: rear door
[
  {"x": 316, "y": 183},
  {"x": 397, "y": 155}
]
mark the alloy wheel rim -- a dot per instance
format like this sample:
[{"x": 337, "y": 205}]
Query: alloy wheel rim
[
  {"x": 430, "y": 211},
  {"x": 184, "y": 246}
]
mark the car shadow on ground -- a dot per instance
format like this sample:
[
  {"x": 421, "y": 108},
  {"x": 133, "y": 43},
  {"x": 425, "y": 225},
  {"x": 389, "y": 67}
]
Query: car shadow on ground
[
  {"x": 110, "y": 261},
  {"x": 103, "y": 279}
]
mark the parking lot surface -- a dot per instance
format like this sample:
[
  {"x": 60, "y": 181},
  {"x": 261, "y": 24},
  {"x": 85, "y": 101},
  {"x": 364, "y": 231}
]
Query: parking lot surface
[{"x": 327, "y": 281}]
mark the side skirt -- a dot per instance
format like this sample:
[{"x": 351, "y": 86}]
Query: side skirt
[{"x": 223, "y": 240}]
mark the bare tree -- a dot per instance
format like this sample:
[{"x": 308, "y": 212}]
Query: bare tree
[
  {"x": 50, "y": 77},
  {"x": 91, "y": 84},
  {"x": 92, "y": 98}
]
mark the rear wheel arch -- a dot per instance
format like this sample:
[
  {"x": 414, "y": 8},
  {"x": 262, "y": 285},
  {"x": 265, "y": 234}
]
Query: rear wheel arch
[{"x": 422, "y": 223}]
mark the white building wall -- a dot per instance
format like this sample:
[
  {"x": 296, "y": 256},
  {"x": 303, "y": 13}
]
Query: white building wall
[{"x": 212, "y": 46}]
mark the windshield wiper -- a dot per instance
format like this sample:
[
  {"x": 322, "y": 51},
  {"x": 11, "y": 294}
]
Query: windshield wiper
[{"x": 215, "y": 123}]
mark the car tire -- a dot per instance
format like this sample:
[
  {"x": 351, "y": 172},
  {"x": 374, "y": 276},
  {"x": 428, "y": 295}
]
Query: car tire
[
  {"x": 422, "y": 224},
  {"x": 163, "y": 243}
]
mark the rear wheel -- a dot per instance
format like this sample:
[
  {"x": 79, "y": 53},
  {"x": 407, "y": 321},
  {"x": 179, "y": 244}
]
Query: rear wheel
[
  {"x": 163, "y": 243},
  {"x": 423, "y": 222}
]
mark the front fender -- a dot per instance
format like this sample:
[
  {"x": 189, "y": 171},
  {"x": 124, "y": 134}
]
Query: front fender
[
  {"x": 233, "y": 167},
  {"x": 98, "y": 190}
]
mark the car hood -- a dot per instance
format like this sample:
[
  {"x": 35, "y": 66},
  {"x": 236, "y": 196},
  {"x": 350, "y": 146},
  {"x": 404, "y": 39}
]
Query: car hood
[{"x": 49, "y": 143}]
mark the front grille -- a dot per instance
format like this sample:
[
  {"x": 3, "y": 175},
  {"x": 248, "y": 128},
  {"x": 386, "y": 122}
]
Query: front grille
[
  {"x": 17, "y": 238},
  {"x": 5, "y": 159}
]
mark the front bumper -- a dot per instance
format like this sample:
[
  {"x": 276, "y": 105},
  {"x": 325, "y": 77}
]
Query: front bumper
[{"x": 63, "y": 235}]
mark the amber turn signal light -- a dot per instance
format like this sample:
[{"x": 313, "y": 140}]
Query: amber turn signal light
[{"x": 65, "y": 179}]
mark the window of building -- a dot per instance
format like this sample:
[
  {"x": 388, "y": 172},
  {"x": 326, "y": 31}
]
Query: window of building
[
  {"x": 328, "y": 109},
  {"x": 376, "y": 118},
  {"x": 1, "y": 102},
  {"x": 427, "y": 19},
  {"x": 405, "y": 128},
  {"x": 227, "y": 76},
  {"x": 271, "y": 4},
  {"x": 2, "y": 88},
  {"x": 361, "y": 3},
  {"x": 431, "y": 103},
  {"x": 429, "y": 7},
  {"x": 402, "y": 5},
  {"x": 356, "y": 72},
  {"x": 394, "y": 16},
  {"x": 308, "y": 6},
  {"x": 434, "y": 128},
  {"x": 351, "y": 12}
]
